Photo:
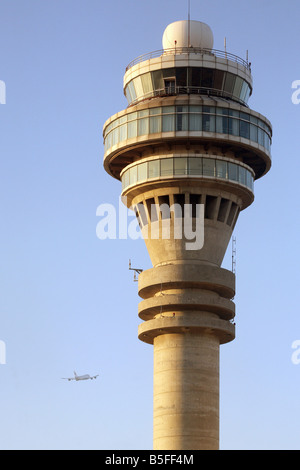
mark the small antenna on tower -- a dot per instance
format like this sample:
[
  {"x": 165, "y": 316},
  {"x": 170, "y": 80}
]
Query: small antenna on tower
[
  {"x": 136, "y": 271},
  {"x": 234, "y": 255}
]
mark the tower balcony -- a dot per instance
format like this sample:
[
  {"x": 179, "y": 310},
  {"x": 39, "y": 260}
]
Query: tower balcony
[
  {"x": 192, "y": 121},
  {"x": 188, "y": 71}
]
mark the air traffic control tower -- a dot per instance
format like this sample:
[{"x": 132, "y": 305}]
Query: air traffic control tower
[{"x": 186, "y": 146}]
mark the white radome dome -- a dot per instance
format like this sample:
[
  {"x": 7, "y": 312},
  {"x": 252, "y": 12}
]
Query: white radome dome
[{"x": 200, "y": 35}]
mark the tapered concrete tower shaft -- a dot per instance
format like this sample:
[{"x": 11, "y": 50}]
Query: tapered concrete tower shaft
[
  {"x": 187, "y": 150},
  {"x": 186, "y": 391}
]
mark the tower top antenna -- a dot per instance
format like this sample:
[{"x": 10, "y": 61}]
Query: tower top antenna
[{"x": 189, "y": 23}]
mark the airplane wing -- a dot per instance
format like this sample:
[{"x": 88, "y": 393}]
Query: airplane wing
[
  {"x": 68, "y": 378},
  {"x": 95, "y": 376}
]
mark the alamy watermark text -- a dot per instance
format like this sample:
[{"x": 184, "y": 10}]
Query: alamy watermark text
[
  {"x": 2, "y": 92},
  {"x": 164, "y": 221},
  {"x": 296, "y": 354},
  {"x": 2, "y": 353},
  {"x": 296, "y": 93}
]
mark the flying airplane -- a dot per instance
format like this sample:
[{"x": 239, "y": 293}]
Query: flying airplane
[{"x": 80, "y": 377}]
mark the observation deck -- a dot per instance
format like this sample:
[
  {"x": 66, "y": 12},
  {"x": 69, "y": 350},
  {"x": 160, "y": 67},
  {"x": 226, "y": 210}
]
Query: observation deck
[
  {"x": 187, "y": 96},
  {"x": 192, "y": 120},
  {"x": 188, "y": 70}
]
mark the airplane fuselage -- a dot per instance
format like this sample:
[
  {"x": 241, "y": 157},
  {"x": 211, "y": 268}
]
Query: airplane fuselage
[{"x": 77, "y": 378}]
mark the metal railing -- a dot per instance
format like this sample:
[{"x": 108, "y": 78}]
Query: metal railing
[
  {"x": 189, "y": 90},
  {"x": 188, "y": 51}
]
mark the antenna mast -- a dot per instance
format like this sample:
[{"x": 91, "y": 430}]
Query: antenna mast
[
  {"x": 189, "y": 23},
  {"x": 136, "y": 271},
  {"x": 234, "y": 255}
]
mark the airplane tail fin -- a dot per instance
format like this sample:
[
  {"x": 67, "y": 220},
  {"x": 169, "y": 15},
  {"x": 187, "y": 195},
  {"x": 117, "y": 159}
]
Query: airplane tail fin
[{"x": 75, "y": 374}]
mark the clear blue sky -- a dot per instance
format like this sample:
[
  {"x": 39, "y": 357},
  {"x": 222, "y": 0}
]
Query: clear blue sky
[{"x": 67, "y": 299}]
